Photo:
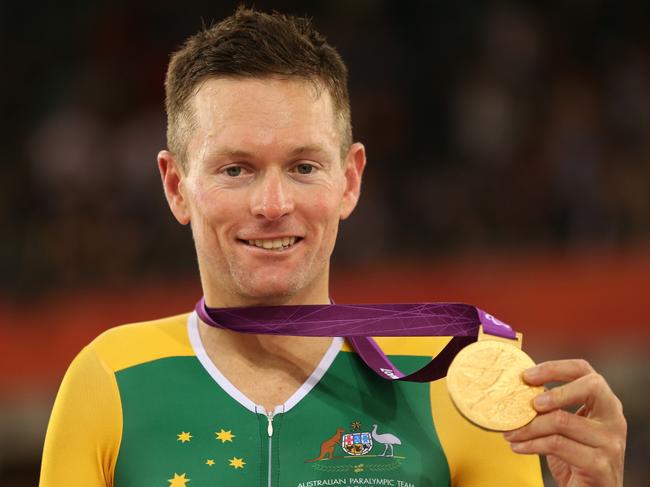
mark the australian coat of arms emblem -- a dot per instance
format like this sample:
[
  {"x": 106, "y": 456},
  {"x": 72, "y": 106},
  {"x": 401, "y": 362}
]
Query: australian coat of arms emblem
[{"x": 356, "y": 443}]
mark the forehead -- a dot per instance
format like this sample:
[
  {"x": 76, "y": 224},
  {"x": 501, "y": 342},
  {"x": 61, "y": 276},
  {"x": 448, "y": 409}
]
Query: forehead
[{"x": 262, "y": 113}]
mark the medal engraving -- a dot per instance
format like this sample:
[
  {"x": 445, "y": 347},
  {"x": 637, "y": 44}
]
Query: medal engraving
[{"x": 485, "y": 384}]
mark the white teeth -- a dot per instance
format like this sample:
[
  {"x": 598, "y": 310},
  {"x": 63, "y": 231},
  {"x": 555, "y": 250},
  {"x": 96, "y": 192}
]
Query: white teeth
[{"x": 275, "y": 243}]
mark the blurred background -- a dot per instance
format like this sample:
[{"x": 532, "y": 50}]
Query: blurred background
[{"x": 509, "y": 167}]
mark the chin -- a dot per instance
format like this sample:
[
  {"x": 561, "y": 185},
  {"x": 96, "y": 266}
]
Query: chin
[{"x": 269, "y": 290}]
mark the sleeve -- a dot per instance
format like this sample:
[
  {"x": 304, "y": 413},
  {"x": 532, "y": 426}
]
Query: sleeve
[
  {"x": 477, "y": 457},
  {"x": 85, "y": 428}
]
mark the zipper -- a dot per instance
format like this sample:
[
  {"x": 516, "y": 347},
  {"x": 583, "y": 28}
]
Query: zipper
[{"x": 269, "y": 430}]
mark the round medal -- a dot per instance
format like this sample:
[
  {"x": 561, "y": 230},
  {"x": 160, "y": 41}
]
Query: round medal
[{"x": 485, "y": 384}]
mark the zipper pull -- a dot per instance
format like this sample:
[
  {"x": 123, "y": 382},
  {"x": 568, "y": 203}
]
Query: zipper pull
[{"x": 269, "y": 428}]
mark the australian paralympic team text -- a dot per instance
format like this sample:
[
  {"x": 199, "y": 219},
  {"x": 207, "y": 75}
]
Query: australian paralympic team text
[{"x": 358, "y": 481}]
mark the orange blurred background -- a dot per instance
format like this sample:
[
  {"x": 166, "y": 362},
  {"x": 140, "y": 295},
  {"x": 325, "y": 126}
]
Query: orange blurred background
[{"x": 564, "y": 304}]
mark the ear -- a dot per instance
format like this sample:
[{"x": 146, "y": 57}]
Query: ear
[
  {"x": 173, "y": 178},
  {"x": 355, "y": 162}
]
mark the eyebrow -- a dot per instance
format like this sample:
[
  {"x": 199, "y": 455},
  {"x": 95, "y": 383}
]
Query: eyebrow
[
  {"x": 232, "y": 153},
  {"x": 240, "y": 153},
  {"x": 304, "y": 149}
]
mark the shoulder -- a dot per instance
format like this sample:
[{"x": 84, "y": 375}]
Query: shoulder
[{"x": 136, "y": 343}]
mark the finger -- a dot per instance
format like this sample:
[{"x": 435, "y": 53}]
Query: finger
[
  {"x": 570, "y": 451},
  {"x": 557, "y": 370},
  {"x": 591, "y": 390},
  {"x": 574, "y": 427}
]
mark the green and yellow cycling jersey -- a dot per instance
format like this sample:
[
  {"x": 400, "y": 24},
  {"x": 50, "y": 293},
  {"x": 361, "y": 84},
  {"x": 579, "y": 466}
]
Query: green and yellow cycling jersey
[{"x": 143, "y": 405}]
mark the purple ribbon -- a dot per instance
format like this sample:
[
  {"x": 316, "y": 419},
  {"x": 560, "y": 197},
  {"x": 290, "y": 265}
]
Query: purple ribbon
[{"x": 359, "y": 322}]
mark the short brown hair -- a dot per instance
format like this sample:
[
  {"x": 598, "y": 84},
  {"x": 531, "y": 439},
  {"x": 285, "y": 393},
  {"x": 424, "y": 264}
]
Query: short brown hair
[{"x": 252, "y": 44}]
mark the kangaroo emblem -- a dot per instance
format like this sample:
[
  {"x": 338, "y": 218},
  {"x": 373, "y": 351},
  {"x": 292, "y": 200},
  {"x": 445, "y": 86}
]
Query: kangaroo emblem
[{"x": 327, "y": 447}]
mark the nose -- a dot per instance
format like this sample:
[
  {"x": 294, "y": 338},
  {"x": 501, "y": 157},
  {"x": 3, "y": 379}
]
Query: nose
[{"x": 272, "y": 198}]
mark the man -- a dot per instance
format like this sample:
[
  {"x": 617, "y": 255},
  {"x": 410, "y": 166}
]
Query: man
[{"x": 261, "y": 164}]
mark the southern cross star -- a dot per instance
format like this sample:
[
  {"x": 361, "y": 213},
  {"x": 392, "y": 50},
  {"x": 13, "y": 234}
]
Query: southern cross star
[
  {"x": 224, "y": 435},
  {"x": 178, "y": 481},
  {"x": 184, "y": 436},
  {"x": 237, "y": 462}
]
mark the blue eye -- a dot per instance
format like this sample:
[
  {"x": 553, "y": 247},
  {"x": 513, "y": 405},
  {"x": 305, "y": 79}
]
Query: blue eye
[
  {"x": 304, "y": 168},
  {"x": 233, "y": 171}
]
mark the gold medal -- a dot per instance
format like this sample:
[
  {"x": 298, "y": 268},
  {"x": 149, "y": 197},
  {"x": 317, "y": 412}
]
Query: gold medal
[{"x": 485, "y": 384}]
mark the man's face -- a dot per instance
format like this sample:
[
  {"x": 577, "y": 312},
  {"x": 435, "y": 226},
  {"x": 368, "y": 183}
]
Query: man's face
[{"x": 264, "y": 190}]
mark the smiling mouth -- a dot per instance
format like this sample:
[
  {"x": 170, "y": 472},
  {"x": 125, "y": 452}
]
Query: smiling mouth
[{"x": 273, "y": 243}]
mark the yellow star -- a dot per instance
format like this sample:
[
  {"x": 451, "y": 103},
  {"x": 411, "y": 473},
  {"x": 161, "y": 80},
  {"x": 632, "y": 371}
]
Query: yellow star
[
  {"x": 237, "y": 462},
  {"x": 209, "y": 462},
  {"x": 224, "y": 435},
  {"x": 178, "y": 481},
  {"x": 183, "y": 437}
]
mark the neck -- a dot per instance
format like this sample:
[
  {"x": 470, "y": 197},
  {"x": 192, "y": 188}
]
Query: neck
[
  {"x": 220, "y": 294},
  {"x": 259, "y": 345},
  {"x": 256, "y": 348},
  {"x": 266, "y": 301},
  {"x": 267, "y": 369}
]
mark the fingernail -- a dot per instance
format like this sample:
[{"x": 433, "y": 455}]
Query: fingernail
[
  {"x": 508, "y": 434},
  {"x": 542, "y": 400},
  {"x": 531, "y": 373},
  {"x": 517, "y": 447}
]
